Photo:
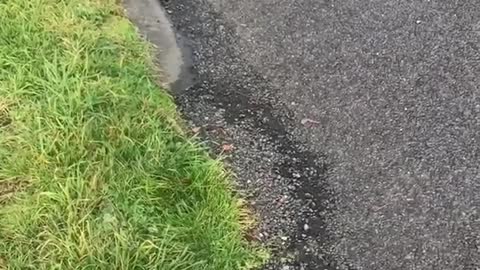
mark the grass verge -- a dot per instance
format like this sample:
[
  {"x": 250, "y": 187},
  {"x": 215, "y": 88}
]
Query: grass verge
[{"x": 95, "y": 172}]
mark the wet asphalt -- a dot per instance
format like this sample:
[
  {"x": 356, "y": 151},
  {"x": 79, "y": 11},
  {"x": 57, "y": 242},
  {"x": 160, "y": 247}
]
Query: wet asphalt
[{"x": 356, "y": 124}]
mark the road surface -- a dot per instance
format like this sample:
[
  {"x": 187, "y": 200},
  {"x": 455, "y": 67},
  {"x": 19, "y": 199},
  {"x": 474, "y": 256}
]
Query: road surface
[{"x": 356, "y": 124}]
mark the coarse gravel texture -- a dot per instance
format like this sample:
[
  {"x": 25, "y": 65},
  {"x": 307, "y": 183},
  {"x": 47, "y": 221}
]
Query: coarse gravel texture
[
  {"x": 386, "y": 173},
  {"x": 273, "y": 170}
]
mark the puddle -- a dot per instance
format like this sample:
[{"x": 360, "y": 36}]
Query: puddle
[
  {"x": 185, "y": 78},
  {"x": 173, "y": 55}
]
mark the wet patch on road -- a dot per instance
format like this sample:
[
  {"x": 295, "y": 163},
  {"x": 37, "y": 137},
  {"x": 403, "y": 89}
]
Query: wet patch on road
[{"x": 234, "y": 105}]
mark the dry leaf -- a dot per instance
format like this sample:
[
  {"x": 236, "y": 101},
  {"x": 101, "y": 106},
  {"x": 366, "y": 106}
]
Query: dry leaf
[
  {"x": 196, "y": 130},
  {"x": 227, "y": 147},
  {"x": 309, "y": 122}
]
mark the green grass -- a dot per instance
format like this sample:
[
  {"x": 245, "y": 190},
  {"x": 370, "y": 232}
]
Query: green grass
[{"x": 95, "y": 172}]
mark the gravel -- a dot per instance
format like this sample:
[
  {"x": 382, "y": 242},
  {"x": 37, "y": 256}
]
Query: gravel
[{"x": 273, "y": 170}]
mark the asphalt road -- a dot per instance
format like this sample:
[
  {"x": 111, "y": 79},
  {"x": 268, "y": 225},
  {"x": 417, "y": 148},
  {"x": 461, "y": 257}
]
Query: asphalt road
[{"x": 379, "y": 98}]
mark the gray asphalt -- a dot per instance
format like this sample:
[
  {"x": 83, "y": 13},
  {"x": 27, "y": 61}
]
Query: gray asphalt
[{"x": 391, "y": 91}]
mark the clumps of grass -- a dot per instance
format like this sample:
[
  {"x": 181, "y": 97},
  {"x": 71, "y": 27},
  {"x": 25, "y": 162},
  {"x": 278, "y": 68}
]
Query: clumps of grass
[
  {"x": 95, "y": 172},
  {"x": 9, "y": 188},
  {"x": 5, "y": 119}
]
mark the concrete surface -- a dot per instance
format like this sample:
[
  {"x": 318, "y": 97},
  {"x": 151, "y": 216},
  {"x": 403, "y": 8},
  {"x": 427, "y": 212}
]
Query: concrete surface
[{"x": 356, "y": 124}]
